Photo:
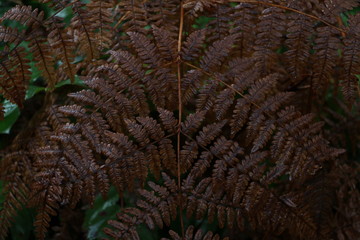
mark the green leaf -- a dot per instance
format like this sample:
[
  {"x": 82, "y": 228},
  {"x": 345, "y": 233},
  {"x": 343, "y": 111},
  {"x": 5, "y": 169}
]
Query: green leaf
[
  {"x": 12, "y": 113},
  {"x": 104, "y": 209},
  {"x": 35, "y": 72},
  {"x": 33, "y": 90},
  {"x": 201, "y": 22},
  {"x": 78, "y": 82},
  {"x": 67, "y": 14},
  {"x": 145, "y": 233},
  {"x": 23, "y": 227}
]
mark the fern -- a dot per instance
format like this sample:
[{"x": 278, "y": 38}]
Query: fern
[{"x": 197, "y": 124}]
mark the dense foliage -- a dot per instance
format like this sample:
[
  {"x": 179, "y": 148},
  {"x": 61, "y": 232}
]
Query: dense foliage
[{"x": 196, "y": 119}]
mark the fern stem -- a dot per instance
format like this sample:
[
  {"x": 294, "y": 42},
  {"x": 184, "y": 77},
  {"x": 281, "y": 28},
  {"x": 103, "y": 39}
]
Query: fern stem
[{"x": 180, "y": 116}]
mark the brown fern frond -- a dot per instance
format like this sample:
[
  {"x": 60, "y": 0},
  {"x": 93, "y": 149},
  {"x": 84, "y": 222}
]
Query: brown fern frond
[
  {"x": 187, "y": 155},
  {"x": 24, "y": 15},
  {"x": 133, "y": 11},
  {"x": 146, "y": 49},
  {"x": 331, "y": 9},
  {"x": 57, "y": 4},
  {"x": 210, "y": 132},
  {"x": 159, "y": 79},
  {"x": 321, "y": 190},
  {"x": 16, "y": 191},
  {"x": 189, "y": 235},
  {"x": 42, "y": 55},
  {"x": 217, "y": 53},
  {"x": 89, "y": 97},
  {"x": 207, "y": 96},
  {"x": 101, "y": 18},
  {"x": 349, "y": 81},
  {"x": 348, "y": 196},
  {"x": 168, "y": 155},
  {"x": 154, "y": 208},
  {"x": 63, "y": 45},
  {"x": 245, "y": 17},
  {"x": 206, "y": 107},
  {"x": 343, "y": 126},
  {"x": 206, "y": 199},
  {"x": 14, "y": 57},
  {"x": 327, "y": 44},
  {"x": 14, "y": 71},
  {"x": 268, "y": 38},
  {"x": 160, "y": 12},
  {"x": 165, "y": 43},
  {"x": 298, "y": 42},
  {"x": 191, "y": 82},
  {"x": 123, "y": 173},
  {"x": 83, "y": 28},
  {"x": 10, "y": 35},
  {"x": 219, "y": 27},
  {"x": 223, "y": 102},
  {"x": 193, "y": 44},
  {"x": 48, "y": 195},
  {"x": 196, "y": 6},
  {"x": 129, "y": 63},
  {"x": 257, "y": 94},
  {"x": 192, "y": 122},
  {"x": 168, "y": 120}
]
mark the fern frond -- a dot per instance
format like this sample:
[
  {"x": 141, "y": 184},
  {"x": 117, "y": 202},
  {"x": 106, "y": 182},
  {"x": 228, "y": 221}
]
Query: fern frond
[
  {"x": 165, "y": 43},
  {"x": 24, "y": 15},
  {"x": 133, "y": 11},
  {"x": 146, "y": 49},
  {"x": 327, "y": 44},
  {"x": 207, "y": 96},
  {"x": 193, "y": 122},
  {"x": 269, "y": 31},
  {"x": 123, "y": 173},
  {"x": 159, "y": 12},
  {"x": 245, "y": 17},
  {"x": 57, "y": 4},
  {"x": 193, "y": 44},
  {"x": 349, "y": 81},
  {"x": 189, "y": 235},
  {"x": 219, "y": 27},
  {"x": 203, "y": 108},
  {"x": 332, "y": 9},
  {"x": 14, "y": 72},
  {"x": 42, "y": 54},
  {"x": 10, "y": 35},
  {"x": 63, "y": 45},
  {"x": 154, "y": 208},
  {"x": 216, "y": 54},
  {"x": 47, "y": 198},
  {"x": 197, "y": 6},
  {"x": 168, "y": 120},
  {"x": 83, "y": 27},
  {"x": 16, "y": 191},
  {"x": 101, "y": 18},
  {"x": 298, "y": 42}
]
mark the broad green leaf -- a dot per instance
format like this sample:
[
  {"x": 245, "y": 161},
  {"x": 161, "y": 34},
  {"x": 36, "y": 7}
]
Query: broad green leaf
[
  {"x": 23, "y": 225},
  {"x": 78, "y": 82},
  {"x": 96, "y": 218},
  {"x": 33, "y": 90},
  {"x": 12, "y": 113}
]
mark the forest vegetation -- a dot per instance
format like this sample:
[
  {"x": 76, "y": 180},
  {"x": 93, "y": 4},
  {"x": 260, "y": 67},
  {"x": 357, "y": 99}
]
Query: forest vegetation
[{"x": 180, "y": 119}]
